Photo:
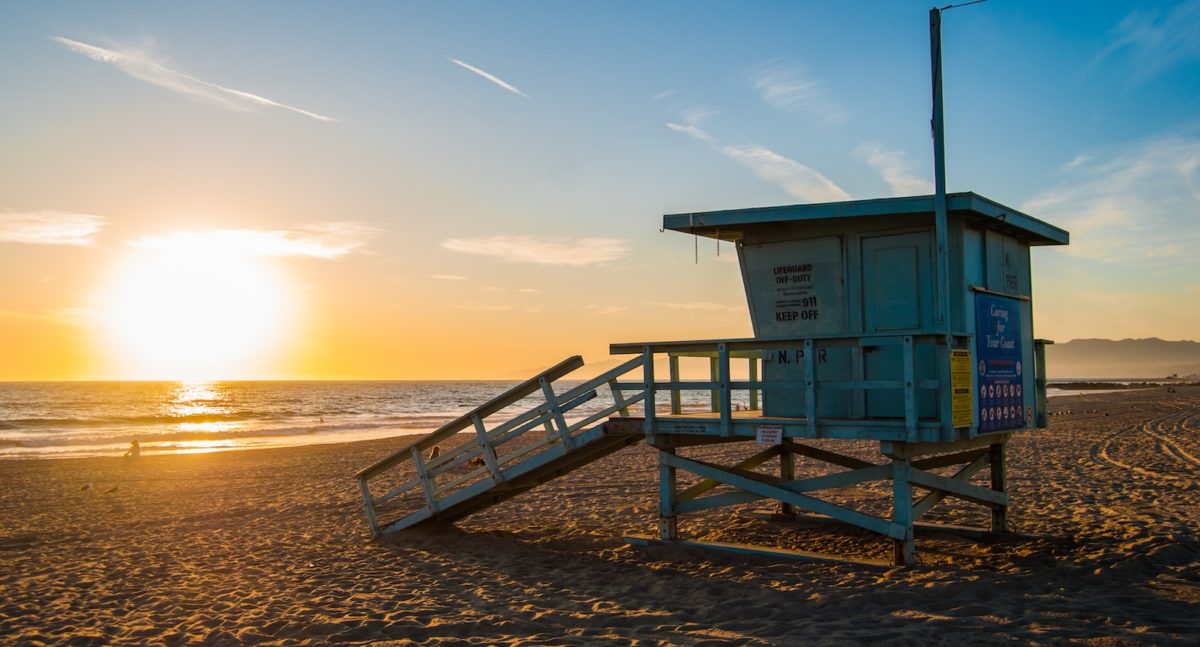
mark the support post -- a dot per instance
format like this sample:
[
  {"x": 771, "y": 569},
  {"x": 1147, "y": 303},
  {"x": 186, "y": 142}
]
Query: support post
[
  {"x": 668, "y": 525},
  {"x": 996, "y": 454},
  {"x": 904, "y": 551},
  {"x": 787, "y": 472}
]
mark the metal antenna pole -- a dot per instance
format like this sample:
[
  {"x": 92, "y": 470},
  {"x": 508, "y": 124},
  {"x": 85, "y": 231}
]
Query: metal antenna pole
[
  {"x": 939, "y": 171},
  {"x": 939, "y": 164}
]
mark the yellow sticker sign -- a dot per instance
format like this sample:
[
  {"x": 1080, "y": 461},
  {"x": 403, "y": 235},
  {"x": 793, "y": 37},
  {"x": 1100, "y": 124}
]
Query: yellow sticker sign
[{"x": 960, "y": 387}]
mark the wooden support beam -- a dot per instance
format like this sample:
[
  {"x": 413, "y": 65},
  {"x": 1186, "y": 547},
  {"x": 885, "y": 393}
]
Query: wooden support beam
[
  {"x": 935, "y": 497},
  {"x": 826, "y": 455},
  {"x": 771, "y": 491},
  {"x": 996, "y": 456},
  {"x": 958, "y": 488},
  {"x": 903, "y": 548},
  {"x": 913, "y": 450},
  {"x": 749, "y": 463},
  {"x": 668, "y": 522},
  {"x": 750, "y": 549},
  {"x": 826, "y": 482},
  {"x": 787, "y": 472},
  {"x": 934, "y": 462}
]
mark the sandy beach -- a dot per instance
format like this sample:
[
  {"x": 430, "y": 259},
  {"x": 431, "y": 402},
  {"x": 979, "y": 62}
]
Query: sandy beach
[{"x": 271, "y": 546}]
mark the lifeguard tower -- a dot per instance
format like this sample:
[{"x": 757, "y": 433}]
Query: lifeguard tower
[
  {"x": 855, "y": 339},
  {"x": 903, "y": 323}
]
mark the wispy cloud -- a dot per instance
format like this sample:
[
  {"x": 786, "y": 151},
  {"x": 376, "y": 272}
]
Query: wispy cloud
[
  {"x": 448, "y": 277},
  {"x": 894, "y": 167},
  {"x": 788, "y": 86},
  {"x": 50, "y": 228},
  {"x": 692, "y": 120},
  {"x": 574, "y": 252},
  {"x": 326, "y": 241},
  {"x": 605, "y": 311},
  {"x": 141, "y": 66},
  {"x": 792, "y": 176},
  {"x": 491, "y": 77},
  {"x": 483, "y": 307},
  {"x": 1136, "y": 204},
  {"x": 1157, "y": 40}
]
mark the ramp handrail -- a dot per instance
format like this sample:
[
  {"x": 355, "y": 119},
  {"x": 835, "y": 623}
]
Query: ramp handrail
[{"x": 549, "y": 415}]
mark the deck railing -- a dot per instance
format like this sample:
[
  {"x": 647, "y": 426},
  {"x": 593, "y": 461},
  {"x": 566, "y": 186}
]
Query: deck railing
[
  {"x": 497, "y": 446},
  {"x": 911, "y": 426}
]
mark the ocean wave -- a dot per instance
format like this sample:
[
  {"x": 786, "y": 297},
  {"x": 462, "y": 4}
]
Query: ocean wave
[{"x": 183, "y": 435}]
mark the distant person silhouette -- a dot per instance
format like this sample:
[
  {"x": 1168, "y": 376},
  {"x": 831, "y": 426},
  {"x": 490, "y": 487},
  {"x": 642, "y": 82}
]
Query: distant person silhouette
[{"x": 135, "y": 450}]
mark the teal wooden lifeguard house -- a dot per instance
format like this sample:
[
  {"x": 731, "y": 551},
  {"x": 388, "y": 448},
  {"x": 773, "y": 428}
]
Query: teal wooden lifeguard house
[
  {"x": 903, "y": 323},
  {"x": 855, "y": 338}
]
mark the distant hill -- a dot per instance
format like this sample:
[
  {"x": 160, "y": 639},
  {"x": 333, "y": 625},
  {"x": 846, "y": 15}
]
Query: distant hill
[{"x": 1134, "y": 358}]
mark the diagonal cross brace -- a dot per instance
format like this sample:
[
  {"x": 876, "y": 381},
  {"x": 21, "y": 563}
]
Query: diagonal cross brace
[{"x": 770, "y": 491}]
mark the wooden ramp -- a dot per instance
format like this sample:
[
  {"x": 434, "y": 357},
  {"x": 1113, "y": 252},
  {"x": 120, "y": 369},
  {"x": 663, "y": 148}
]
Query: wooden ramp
[{"x": 480, "y": 462}]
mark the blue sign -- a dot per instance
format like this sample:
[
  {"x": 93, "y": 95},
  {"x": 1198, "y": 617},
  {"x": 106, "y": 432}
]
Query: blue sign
[{"x": 998, "y": 348}]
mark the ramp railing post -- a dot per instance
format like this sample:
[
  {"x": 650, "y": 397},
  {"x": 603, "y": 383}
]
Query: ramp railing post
[
  {"x": 489, "y": 452},
  {"x": 753, "y": 379},
  {"x": 676, "y": 400},
  {"x": 648, "y": 403},
  {"x": 426, "y": 481},
  {"x": 564, "y": 431},
  {"x": 369, "y": 506},
  {"x": 725, "y": 396},
  {"x": 714, "y": 371}
]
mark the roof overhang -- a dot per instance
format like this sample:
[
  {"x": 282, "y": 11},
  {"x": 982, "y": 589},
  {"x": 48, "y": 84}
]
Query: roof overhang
[{"x": 975, "y": 209}]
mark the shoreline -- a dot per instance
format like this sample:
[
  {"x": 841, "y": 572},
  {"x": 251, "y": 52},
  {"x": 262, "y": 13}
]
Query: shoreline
[
  {"x": 271, "y": 546},
  {"x": 272, "y": 441}
]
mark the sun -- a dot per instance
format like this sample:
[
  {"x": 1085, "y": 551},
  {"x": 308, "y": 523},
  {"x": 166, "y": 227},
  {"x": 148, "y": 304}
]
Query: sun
[{"x": 194, "y": 309}]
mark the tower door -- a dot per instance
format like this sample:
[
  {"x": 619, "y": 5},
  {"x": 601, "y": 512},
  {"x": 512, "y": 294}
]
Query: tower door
[{"x": 898, "y": 294}]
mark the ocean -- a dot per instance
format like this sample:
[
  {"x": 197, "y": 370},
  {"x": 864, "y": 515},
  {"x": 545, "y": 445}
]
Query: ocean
[{"x": 75, "y": 419}]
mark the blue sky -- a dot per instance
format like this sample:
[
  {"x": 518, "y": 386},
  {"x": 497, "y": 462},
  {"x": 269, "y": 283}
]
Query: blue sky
[{"x": 508, "y": 162}]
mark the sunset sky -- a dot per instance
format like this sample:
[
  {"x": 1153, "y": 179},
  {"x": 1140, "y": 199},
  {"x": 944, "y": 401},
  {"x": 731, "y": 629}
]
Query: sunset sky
[{"x": 301, "y": 190}]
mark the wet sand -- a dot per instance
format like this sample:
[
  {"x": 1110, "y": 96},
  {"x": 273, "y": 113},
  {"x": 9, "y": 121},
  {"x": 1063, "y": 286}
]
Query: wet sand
[{"x": 271, "y": 546}]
